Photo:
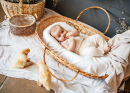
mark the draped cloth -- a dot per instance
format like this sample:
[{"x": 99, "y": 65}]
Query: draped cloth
[{"x": 120, "y": 60}]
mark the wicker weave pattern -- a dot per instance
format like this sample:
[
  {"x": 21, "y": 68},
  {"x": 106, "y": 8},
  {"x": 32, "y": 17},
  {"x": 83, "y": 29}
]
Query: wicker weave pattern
[
  {"x": 11, "y": 9},
  {"x": 25, "y": 29}
]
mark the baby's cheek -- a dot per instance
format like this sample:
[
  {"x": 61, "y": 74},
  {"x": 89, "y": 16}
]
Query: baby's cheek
[
  {"x": 60, "y": 39},
  {"x": 63, "y": 39}
]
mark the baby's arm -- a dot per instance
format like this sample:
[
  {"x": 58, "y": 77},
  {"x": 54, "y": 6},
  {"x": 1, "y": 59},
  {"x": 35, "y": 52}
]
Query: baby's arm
[
  {"x": 71, "y": 46},
  {"x": 72, "y": 33},
  {"x": 64, "y": 45}
]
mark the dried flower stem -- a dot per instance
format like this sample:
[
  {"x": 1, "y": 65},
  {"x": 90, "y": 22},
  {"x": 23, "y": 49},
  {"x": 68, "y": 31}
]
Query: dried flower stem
[
  {"x": 117, "y": 23},
  {"x": 5, "y": 45}
]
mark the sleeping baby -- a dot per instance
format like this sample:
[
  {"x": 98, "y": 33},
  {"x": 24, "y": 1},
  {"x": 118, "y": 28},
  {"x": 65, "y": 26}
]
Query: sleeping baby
[{"x": 93, "y": 45}]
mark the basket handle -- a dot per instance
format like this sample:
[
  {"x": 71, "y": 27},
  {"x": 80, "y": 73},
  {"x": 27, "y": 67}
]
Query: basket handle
[
  {"x": 54, "y": 75},
  {"x": 101, "y": 9},
  {"x": 20, "y": 6}
]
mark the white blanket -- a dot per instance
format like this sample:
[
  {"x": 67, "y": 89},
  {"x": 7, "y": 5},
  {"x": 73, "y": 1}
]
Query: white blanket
[
  {"x": 8, "y": 54},
  {"x": 120, "y": 59}
]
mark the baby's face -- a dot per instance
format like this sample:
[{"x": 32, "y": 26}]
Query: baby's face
[{"x": 59, "y": 33}]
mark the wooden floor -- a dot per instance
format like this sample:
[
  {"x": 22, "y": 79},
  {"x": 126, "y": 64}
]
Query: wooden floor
[
  {"x": 2, "y": 14},
  {"x": 14, "y": 85}
]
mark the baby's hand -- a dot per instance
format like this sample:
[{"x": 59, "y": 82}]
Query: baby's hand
[
  {"x": 69, "y": 34},
  {"x": 108, "y": 48},
  {"x": 71, "y": 38}
]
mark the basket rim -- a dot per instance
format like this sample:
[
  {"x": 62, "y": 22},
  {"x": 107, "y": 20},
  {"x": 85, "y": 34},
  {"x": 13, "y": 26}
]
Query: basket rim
[
  {"x": 34, "y": 21},
  {"x": 73, "y": 68},
  {"x": 10, "y": 3}
]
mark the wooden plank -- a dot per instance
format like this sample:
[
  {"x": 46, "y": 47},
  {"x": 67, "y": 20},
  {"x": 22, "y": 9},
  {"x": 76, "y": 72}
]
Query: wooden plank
[
  {"x": 14, "y": 85},
  {"x": 127, "y": 86},
  {"x": 2, "y": 78}
]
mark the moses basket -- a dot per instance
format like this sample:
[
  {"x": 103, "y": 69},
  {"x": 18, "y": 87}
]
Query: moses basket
[{"x": 77, "y": 25}]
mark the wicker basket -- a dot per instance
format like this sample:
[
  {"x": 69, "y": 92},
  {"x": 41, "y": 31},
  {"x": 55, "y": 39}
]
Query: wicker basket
[
  {"x": 11, "y": 9},
  {"x": 22, "y": 25},
  {"x": 80, "y": 27},
  {"x": 77, "y": 25}
]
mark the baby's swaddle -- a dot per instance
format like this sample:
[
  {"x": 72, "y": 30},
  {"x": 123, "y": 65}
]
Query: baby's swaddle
[
  {"x": 78, "y": 41},
  {"x": 93, "y": 46},
  {"x": 87, "y": 46}
]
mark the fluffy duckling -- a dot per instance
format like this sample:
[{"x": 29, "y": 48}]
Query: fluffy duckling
[
  {"x": 44, "y": 75},
  {"x": 21, "y": 59}
]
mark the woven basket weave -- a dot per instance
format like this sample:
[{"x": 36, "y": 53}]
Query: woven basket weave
[
  {"x": 77, "y": 25},
  {"x": 11, "y": 9},
  {"x": 22, "y": 25}
]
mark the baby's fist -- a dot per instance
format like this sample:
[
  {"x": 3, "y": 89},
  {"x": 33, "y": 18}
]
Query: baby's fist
[
  {"x": 71, "y": 38},
  {"x": 69, "y": 34}
]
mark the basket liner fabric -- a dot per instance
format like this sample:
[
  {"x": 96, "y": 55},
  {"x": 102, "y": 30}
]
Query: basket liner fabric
[{"x": 96, "y": 66}]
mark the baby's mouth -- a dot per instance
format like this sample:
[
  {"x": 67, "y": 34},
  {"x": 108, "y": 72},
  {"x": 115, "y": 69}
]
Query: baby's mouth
[{"x": 65, "y": 37}]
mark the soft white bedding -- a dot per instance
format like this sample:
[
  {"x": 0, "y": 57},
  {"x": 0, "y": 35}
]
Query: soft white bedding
[{"x": 94, "y": 65}]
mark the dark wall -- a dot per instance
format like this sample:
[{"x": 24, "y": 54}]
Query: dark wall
[{"x": 95, "y": 17}]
